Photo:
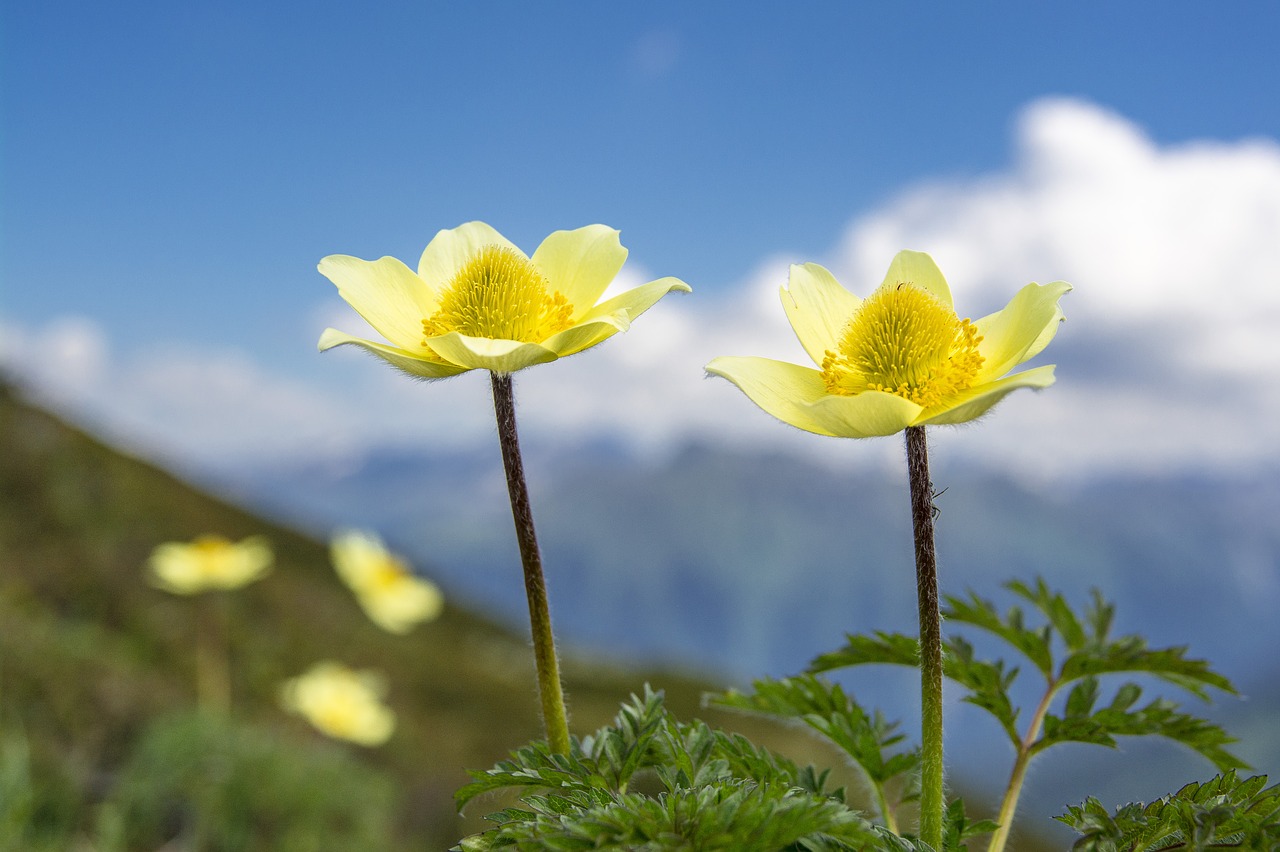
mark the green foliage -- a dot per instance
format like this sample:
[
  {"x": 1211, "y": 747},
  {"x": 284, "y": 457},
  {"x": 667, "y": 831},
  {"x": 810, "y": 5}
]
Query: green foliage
[
  {"x": 715, "y": 791},
  {"x": 724, "y": 814},
  {"x": 229, "y": 786},
  {"x": 1069, "y": 649},
  {"x": 40, "y": 811},
  {"x": 1223, "y": 813},
  {"x": 828, "y": 710}
]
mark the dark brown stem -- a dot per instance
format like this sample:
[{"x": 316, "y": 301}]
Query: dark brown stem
[
  {"x": 932, "y": 804},
  {"x": 544, "y": 648}
]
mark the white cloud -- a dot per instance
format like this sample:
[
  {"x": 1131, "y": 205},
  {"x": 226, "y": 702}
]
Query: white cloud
[
  {"x": 1167, "y": 359},
  {"x": 1176, "y": 262}
]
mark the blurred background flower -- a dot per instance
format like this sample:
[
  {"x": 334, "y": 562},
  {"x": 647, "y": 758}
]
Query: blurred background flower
[
  {"x": 209, "y": 562},
  {"x": 341, "y": 703},
  {"x": 390, "y": 593}
]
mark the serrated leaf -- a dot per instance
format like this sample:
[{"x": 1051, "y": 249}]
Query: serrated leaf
[
  {"x": 1158, "y": 718},
  {"x": 860, "y": 650},
  {"x": 1082, "y": 697},
  {"x": 988, "y": 683},
  {"x": 734, "y": 815},
  {"x": 957, "y": 828},
  {"x": 827, "y": 709},
  {"x": 1130, "y": 654},
  {"x": 1054, "y": 607},
  {"x": 1033, "y": 644},
  {"x": 1221, "y": 813}
]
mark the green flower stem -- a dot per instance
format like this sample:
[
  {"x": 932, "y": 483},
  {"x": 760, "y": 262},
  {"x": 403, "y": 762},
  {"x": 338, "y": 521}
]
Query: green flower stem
[
  {"x": 213, "y": 670},
  {"x": 544, "y": 646},
  {"x": 932, "y": 804},
  {"x": 1019, "y": 773}
]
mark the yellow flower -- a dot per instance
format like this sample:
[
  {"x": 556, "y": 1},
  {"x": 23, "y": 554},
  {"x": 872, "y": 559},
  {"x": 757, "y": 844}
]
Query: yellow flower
[
  {"x": 209, "y": 562},
  {"x": 341, "y": 703},
  {"x": 390, "y": 594},
  {"x": 901, "y": 357},
  {"x": 479, "y": 303}
]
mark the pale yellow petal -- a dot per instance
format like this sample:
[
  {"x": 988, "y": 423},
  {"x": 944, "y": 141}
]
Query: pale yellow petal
[
  {"x": 386, "y": 293},
  {"x": 586, "y": 334},
  {"x": 637, "y": 300},
  {"x": 1021, "y": 330},
  {"x": 340, "y": 703},
  {"x": 869, "y": 414},
  {"x": 787, "y": 391},
  {"x": 797, "y": 395},
  {"x": 817, "y": 307},
  {"x": 918, "y": 268},
  {"x": 450, "y": 249},
  {"x": 399, "y": 607},
  {"x": 425, "y": 366},
  {"x": 978, "y": 401},
  {"x": 580, "y": 264},
  {"x": 209, "y": 562},
  {"x": 481, "y": 353}
]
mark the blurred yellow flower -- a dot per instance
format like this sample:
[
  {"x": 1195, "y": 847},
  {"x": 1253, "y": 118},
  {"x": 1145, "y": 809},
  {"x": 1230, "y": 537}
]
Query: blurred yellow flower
[
  {"x": 901, "y": 357},
  {"x": 341, "y": 703},
  {"x": 391, "y": 595},
  {"x": 209, "y": 562},
  {"x": 479, "y": 303}
]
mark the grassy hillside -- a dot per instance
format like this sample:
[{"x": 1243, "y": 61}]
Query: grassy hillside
[{"x": 92, "y": 659}]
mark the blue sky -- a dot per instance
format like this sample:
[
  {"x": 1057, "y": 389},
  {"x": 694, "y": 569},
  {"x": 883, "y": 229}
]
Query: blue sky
[{"x": 172, "y": 173}]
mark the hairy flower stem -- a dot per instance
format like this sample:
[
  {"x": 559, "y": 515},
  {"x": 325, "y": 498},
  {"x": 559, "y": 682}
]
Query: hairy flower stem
[
  {"x": 932, "y": 804},
  {"x": 544, "y": 647},
  {"x": 1019, "y": 773}
]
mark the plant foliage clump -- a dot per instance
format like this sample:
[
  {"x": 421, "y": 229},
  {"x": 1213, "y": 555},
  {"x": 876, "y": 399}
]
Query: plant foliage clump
[{"x": 1222, "y": 813}]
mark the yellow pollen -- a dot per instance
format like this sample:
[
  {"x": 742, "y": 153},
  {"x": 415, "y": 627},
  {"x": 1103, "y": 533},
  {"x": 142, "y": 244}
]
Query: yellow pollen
[
  {"x": 500, "y": 295},
  {"x": 903, "y": 341}
]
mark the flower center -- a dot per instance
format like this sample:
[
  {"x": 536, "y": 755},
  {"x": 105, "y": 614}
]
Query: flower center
[
  {"x": 903, "y": 341},
  {"x": 498, "y": 294},
  {"x": 387, "y": 574}
]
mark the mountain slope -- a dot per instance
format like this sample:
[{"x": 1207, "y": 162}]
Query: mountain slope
[{"x": 90, "y": 655}]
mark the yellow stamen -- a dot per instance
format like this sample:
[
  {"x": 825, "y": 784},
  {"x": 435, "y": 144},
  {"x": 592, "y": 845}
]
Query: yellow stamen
[
  {"x": 498, "y": 294},
  {"x": 903, "y": 341}
]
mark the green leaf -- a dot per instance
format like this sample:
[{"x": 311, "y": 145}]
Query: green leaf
[
  {"x": 606, "y": 759},
  {"x": 988, "y": 683},
  {"x": 957, "y": 828},
  {"x": 1099, "y": 616},
  {"x": 1130, "y": 654},
  {"x": 827, "y": 709},
  {"x": 1223, "y": 812},
  {"x": 1034, "y": 644},
  {"x": 1055, "y": 608},
  {"x": 1158, "y": 718},
  {"x": 860, "y": 650},
  {"x": 733, "y": 816}
]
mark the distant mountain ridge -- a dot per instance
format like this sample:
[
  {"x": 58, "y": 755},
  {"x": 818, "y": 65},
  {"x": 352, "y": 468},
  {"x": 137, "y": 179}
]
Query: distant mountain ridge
[
  {"x": 731, "y": 542},
  {"x": 753, "y": 564}
]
